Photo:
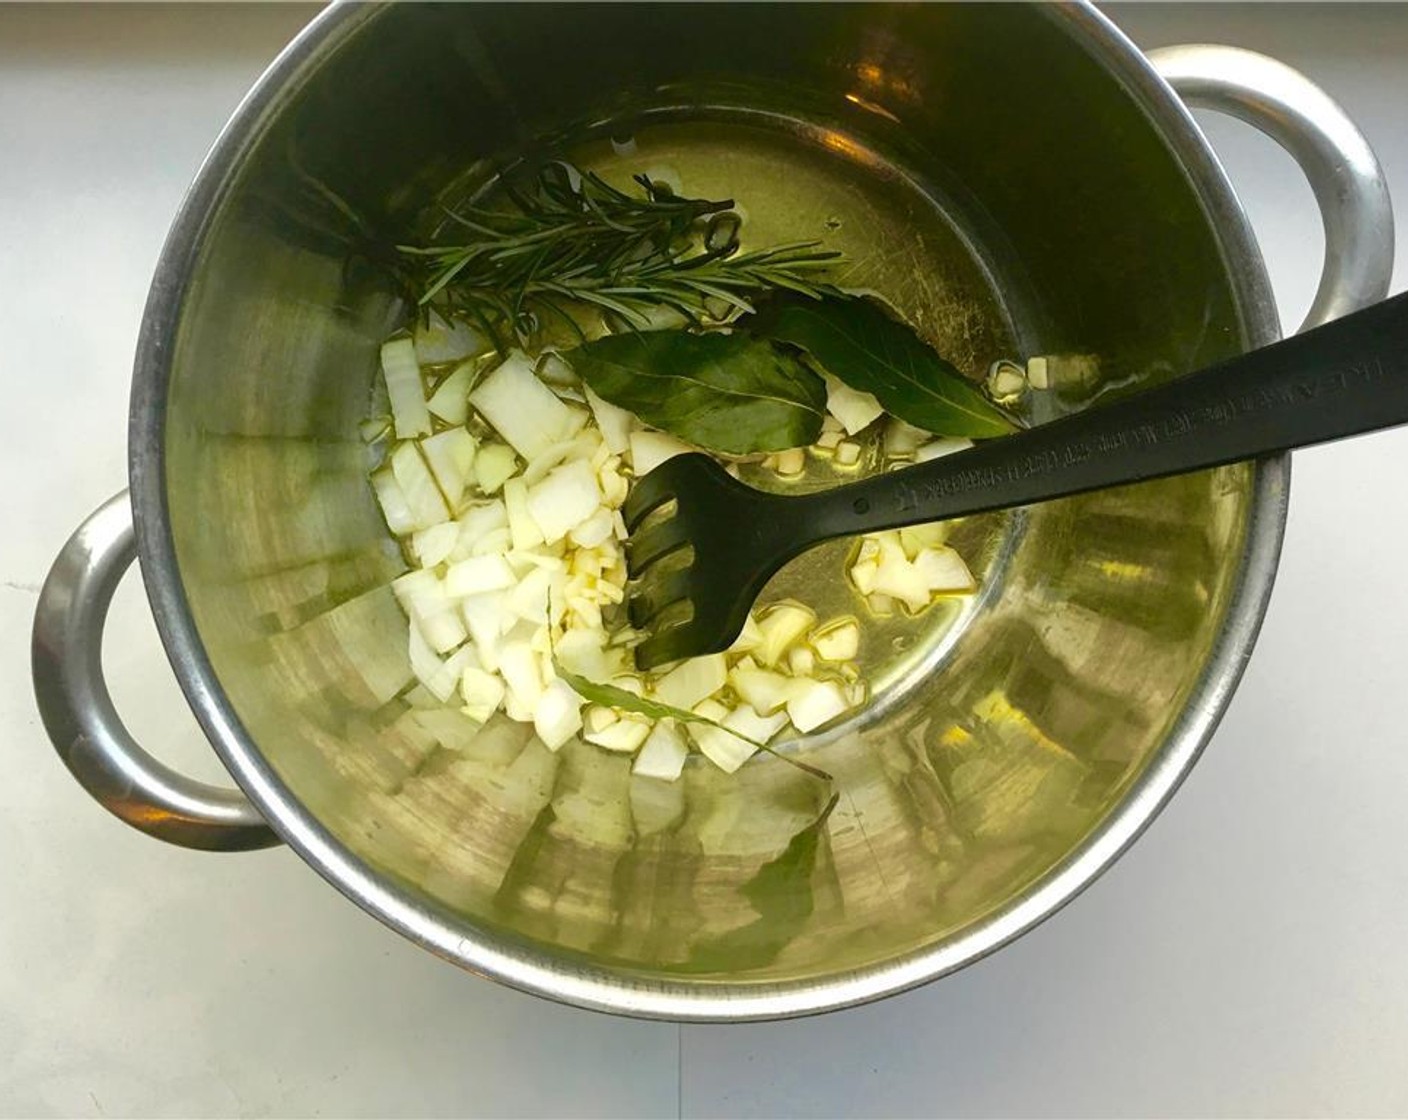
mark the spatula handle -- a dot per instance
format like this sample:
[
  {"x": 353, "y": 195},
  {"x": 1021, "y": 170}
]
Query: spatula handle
[{"x": 1342, "y": 379}]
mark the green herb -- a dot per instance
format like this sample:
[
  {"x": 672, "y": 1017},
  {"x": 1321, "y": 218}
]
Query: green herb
[
  {"x": 571, "y": 239},
  {"x": 612, "y": 697},
  {"x": 723, "y": 392},
  {"x": 855, "y": 341},
  {"x": 781, "y": 893}
]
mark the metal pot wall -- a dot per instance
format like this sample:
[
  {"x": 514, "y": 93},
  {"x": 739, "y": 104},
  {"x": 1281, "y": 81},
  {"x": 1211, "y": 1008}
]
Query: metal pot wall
[{"x": 1016, "y": 762}]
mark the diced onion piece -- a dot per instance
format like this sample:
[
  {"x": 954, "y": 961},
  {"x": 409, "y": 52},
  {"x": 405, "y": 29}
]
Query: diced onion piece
[
  {"x": 438, "y": 340},
  {"x": 554, "y": 370},
  {"x": 529, "y": 598},
  {"x": 615, "y": 423},
  {"x": 691, "y": 681},
  {"x": 399, "y": 517},
  {"x": 448, "y": 677},
  {"x": 838, "y": 640},
  {"x": 801, "y": 661},
  {"x": 598, "y": 716},
  {"x": 522, "y": 673},
  {"x": 475, "y": 522},
  {"x": 863, "y": 574},
  {"x": 477, "y": 575},
  {"x": 523, "y": 529},
  {"x": 564, "y": 499},
  {"x": 495, "y": 543},
  {"x": 748, "y": 638},
  {"x": 937, "y": 449},
  {"x": 523, "y": 410},
  {"x": 663, "y": 754},
  {"x": 629, "y": 682},
  {"x": 486, "y": 617},
  {"x": 852, "y": 407},
  {"x": 727, "y": 751},
  {"x": 1006, "y": 380},
  {"x": 902, "y": 440},
  {"x": 847, "y": 453},
  {"x": 450, "y": 401},
  {"x": 782, "y": 625},
  {"x": 403, "y": 387},
  {"x": 483, "y": 693},
  {"x": 762, "y": 689},
  {"x": 418, "y": 485},
  {"x": 916, "y": 537},
  {"x": 896, "y": 576},
  {"x": 436, "y": 543},
  {"x": 943, "y": 570},
  {"x": 558, "y": 715},
  {"x": 792, "y": 462},
  {"x": 415, "y": 587},
  {"x": 493, "y": 465},
  {"x": 829, "y": 441},
  {"x": 624, "y": 736},
  {"x": 814, "y": 703},
  {"x": 594, "y": 530},
  {"x": 1038, "y": 373},
  {"x": 584, "y": 653},
  {"x": 450, "y": 455},
  {"x": 650, "y": 449},
  {"x": 441, "y": 624}
]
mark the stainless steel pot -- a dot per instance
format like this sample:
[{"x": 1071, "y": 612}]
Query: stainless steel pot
[{"x": 1055, "y": 723}]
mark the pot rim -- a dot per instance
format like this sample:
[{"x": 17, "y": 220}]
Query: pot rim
[{"x": 597, "y": 988}]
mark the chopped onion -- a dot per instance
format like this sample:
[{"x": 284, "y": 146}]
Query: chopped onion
[
  {"x": 937, "y": 449},
  {"x": 801, "y": 661},
  {"x": 394, "y": 507},
  {"x": 943, "y": 570},
  {"x": 897, "y": 577},
  {"x": 650, "y": 449},
  {"x": 418, "y": 485},
  {"x": 854, "y": 409},
  {"x": 522, "y": 527},
  {"x": 814, "y": 703},
  {"x": 781, "y": 625},
  {"x": 487, "y": 617},
  {"x": 762, "y": 689},
  {"x": 615, "y": 423},
  {"x": 493, "y": 464},
  {"x": 483, "y": 693},
  {"x": 403, "y": 387},
  {"x": 436, "y": 543},
  {"x": 663, "y": 754},
  {"x": 790, "y": 463},
  {"x": 902, "y": 440},
  {"x": 595, "y": 530},
  {"x": 625, "y": 736},
  {"x": 521, "y": 408},
  {"x": 479, "y": 574},
  {"x": 558, "y": 715},
  {"x": 450, "y": 454},
  {"x": 450, "y": 401},
  {"x": 847, "y": 453},
  {"x": 916, "y": 537},
  {"x": 522, "y": 674},
  {"x": 838, "y": 640},
  {"x": 692, "y": 681},
  {"x": 564, "y": 499},
  {"x": 440, "y": 341}
]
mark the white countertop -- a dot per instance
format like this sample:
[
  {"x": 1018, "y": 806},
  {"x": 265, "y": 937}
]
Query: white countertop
[{"x": 1249, "y": 956}]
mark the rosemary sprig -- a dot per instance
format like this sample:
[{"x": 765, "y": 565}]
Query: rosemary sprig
[{"x": 572, "y": 240}]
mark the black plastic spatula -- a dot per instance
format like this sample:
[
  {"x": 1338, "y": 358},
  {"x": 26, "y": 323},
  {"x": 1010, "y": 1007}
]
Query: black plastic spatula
[{"x": 1343, "y": 379}]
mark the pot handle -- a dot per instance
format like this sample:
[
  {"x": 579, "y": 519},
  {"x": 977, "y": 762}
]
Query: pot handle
[
  {"x": 79, "y": 715},
  {"x": 1343, "y": 171}
]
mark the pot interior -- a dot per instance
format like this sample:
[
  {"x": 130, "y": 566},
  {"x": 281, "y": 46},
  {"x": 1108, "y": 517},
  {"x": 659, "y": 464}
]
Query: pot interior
[{"x": 986, "y": 171}]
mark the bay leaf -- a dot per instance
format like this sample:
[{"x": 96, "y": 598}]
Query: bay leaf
[
  {"x": 857, "y": 342},
  {"x": 723, "y": 392}
]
